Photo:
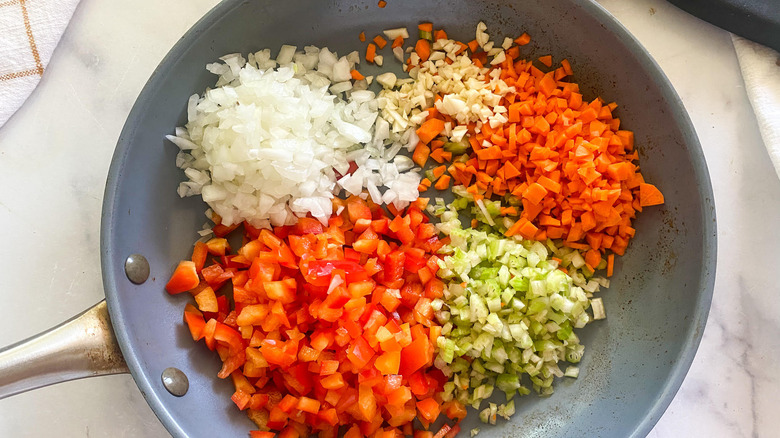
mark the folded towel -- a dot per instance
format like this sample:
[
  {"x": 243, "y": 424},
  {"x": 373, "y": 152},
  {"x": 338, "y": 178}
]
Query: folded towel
[
  {"x": 29, "y": 32},
  {"x": 760, "y": 67}
]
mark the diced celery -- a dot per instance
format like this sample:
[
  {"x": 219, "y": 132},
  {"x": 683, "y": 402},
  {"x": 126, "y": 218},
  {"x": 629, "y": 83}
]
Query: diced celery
[{"x": 507, "y": 310}]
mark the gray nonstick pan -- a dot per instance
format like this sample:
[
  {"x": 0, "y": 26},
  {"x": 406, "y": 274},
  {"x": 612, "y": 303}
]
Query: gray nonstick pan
[{"x": 657, "y": 303}]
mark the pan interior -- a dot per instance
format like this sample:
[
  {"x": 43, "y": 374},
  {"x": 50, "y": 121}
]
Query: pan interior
[{"x": 658, "y": 302}]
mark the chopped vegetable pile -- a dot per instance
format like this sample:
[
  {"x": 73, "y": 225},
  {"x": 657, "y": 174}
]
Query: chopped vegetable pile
[{"x": 374, "y": 312}]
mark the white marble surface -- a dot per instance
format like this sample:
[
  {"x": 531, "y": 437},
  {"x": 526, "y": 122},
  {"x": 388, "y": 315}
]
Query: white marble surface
[{"x": 55, "y": 152}]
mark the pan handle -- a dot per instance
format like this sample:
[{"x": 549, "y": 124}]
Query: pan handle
[{"x": 83, "y": 346}]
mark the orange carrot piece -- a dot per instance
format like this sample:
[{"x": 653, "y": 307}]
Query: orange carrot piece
[
  {"x": 440, "y": 155},
  {"x": 443, "y": 182},
  {"x": 523, "y": 39},
  {"x": 430, "y": 130},
  {"x": 547, "y": 84},
  {"x": 425, "y": 27},
  {"x": 473, "y": 45},
  {"x": 380, "y": 41},
  {"x": 423, "y": 49},
  {"x": 440, "y": 35},
  {"x": 567, "y": 67},
  {"x": 546, "y": 60},
  {"x": 356, "y": 75},
  {"x": 491, "y": 153},
  {"x": 382, "y": 3},
  {"x": 370, "y": 52},
  {"x": 534, "y": 193},
  {"x": 510, "y": 171},
  {"x": 610, "y": 265},
  {"x": 649, "y": 195},
  {"x": 397, "y": 42},
  {"x": 515, "y": 228},
  {"x": 593, "y": 258},
  {"x": 528, "y": 230},
  {"x": 362, "y": 37},
  {"x": 420, "y": 155},
  {"x": 439, "y": 171}
]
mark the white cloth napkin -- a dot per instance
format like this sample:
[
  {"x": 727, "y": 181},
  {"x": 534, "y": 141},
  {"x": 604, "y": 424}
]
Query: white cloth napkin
[
  {"x": 29, "y": 32},
  {"x": 760, "y": 67}
]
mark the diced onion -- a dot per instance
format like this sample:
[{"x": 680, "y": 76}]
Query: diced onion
[{"x": 265, "y": 144}]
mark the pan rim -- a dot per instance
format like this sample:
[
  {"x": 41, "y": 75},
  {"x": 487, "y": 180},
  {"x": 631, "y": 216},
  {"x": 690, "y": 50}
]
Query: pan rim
[{"x": 112, "y": 275}]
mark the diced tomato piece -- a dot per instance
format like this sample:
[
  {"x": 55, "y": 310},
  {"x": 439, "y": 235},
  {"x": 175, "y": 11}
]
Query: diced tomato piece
[
  {"x": 410, "y": 294},
  {"x": 394, "y": 266},
  {"x": 414, "y": 356},
  {"x": 241, "y": 399},
  {"x": 307, "y": 225},
  {"x": 199, "y": 254},
  {"x": 333, "y": 381},
  {"x": 329, "y": 416},
  {"x": 223, "y": 230},
  {"x": 261, "y": 434},
  {"x": 184, "y": 278},
  {"x": 360, "y": 353},
  {"x": 195, "y": 322},
  {"x": 366, "y": 403},
  {"x": 388, "y": 362},
  {"x": 399, "y": 396},
  {"x": 426, "y": 231},
  {"x": 309, "y": 405},
  {"x": 282, "y": 291},
  {"x": 258, "y": 401},
  {"x": 354, "y": 432},
  {"x": 338, "y": 317},
  {"x": 218, "y": 246},
  {"x": 300, "y": 245},
  {"x": 453, "y": 409},
  {"x": 275, "y": 353},
  {"x": 429, "y": 409},
  {"x": 357, "y": 209}
]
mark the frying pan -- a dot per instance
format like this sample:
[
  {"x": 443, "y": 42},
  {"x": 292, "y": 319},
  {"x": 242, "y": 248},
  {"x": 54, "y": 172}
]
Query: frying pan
[{"x": 657, "y": 304}]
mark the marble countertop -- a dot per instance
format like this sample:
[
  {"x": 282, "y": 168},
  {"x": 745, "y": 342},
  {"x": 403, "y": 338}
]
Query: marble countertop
[{"x": 55, "y": 153}]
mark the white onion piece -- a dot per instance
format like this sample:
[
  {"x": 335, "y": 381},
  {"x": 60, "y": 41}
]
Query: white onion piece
[{"x": 265, "y": 144}]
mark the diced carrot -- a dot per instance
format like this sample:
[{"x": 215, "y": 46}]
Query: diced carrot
[
  {"x": 380, "y": 41},
  {"x": 593, "y": 258},
  {"x": 649, "y": 195},
  {"x": 523, "y": 39},
  {"x": 356, "y": 75},
  {"x": 610, "y": 265},
  {"x": 567, "y": 160},
  {"x": 491, "y": 153},
  {"x": 439, "y": 171},
  {"x": 567, "y": 67},
  {"x": 430, "y": 130},
  {"x": 534, "y": 193},
  {"x": 546, "y": 60},
  {"x": 370, "y": 52},
  {"x": 382, "y": 3},
  {"x": 362, "y": 37},
  {"x": 420, "y": 155},
  {"x": 440, "y": 155},
  {"x": 423, "y": 49},
  {"x": 397, "y": 42},
  {"x": 443, "y": 182}
]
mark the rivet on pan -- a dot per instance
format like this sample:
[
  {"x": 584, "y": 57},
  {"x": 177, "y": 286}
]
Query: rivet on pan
[
  {"x": 137, "y": 268},
  {"x": 175, "y": 381}
]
